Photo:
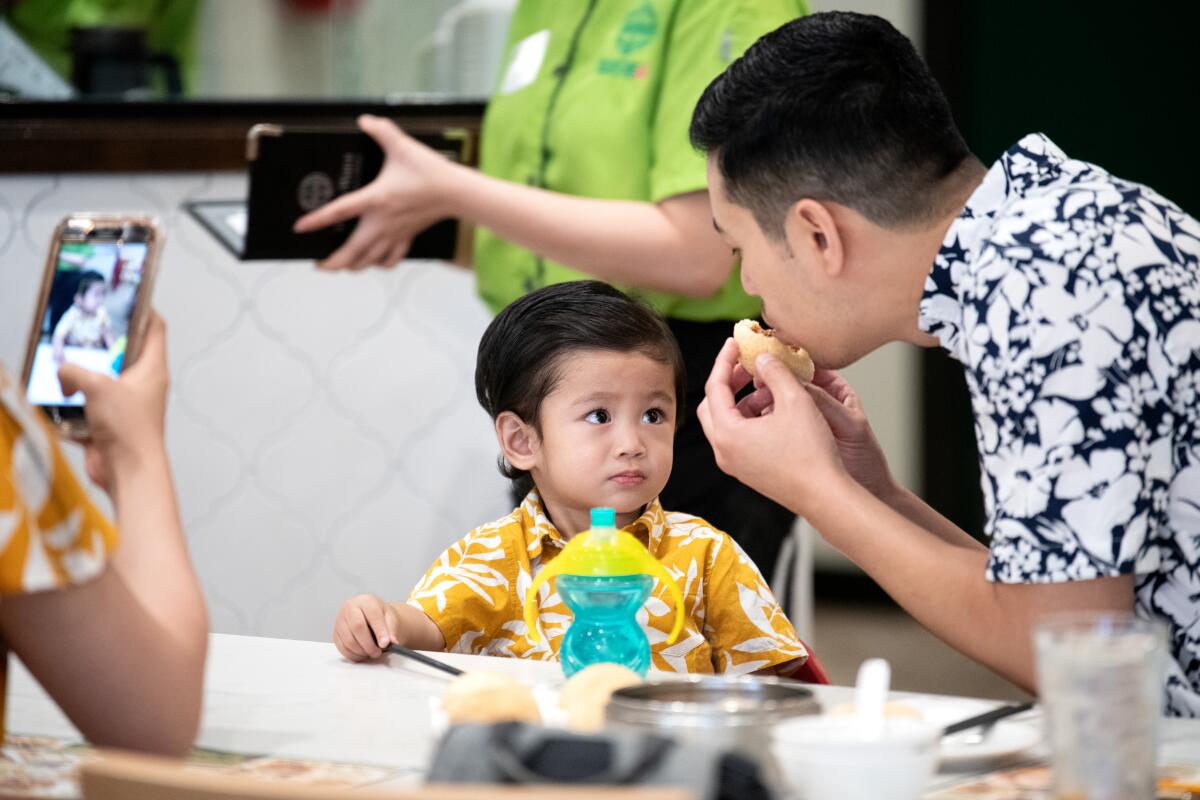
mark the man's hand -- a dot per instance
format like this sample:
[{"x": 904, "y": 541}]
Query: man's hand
[
  {"x": 776, "y": 439},
  {"x": 857, "y": 446},
  {"x": 404, "y": 199},
  {"x": 126, "y": 415}
]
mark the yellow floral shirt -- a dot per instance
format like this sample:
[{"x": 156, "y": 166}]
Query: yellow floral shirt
[
  {"x": 51, "y": 535},
  {"x": 732, "y": 623}
]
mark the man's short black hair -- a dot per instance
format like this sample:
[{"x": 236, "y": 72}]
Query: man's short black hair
[
  {"x": 522, "y": 350},
  {"x": 835, "y": 106}
]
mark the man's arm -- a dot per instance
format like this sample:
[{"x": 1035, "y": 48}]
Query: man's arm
[
  {"x": 859, "y": 451},
  {"x": 915, "y": 510},
  {"x": 942, "y": 583},
  {"x": 933, "y": 569}
]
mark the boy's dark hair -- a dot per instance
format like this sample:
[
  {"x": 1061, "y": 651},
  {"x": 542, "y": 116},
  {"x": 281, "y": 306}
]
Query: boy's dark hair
[
  {"x": 835, "y": 106},
  {"x": 521, "y": 351},
  {"x": 87, "y": 279}
]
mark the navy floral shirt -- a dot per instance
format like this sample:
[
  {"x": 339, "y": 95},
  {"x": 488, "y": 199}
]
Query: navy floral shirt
[{"x": 1072, "y": 299}]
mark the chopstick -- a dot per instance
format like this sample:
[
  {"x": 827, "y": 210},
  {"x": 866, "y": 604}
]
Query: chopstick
[
  {"x": 988, "y": 718},
  {"x": 401, "y": 650}
]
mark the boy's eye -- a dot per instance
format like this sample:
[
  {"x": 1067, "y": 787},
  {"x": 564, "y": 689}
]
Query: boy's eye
[
  {"x": 598, "y": 417},
  {"x": 654, "y": 416}
]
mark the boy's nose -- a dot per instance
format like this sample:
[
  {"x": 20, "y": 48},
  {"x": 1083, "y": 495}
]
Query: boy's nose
[{"x": 629, "y": 442}]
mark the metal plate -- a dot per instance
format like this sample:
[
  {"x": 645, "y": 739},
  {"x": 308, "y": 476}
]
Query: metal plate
[{"x": 709, "y": 702}]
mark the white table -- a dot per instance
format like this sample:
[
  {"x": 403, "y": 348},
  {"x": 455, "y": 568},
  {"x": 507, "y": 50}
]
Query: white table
[{"x": 295, "y": 699}]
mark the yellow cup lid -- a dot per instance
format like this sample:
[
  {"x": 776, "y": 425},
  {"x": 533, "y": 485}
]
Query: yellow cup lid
[{"x": 603, "y": 551}]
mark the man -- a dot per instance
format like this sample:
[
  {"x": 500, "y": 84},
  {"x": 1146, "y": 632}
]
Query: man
[{"x": 1071, "y": 298}]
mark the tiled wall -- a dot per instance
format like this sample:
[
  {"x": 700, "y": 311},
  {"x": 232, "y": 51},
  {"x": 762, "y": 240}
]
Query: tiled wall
[{"x": 323, "y": 428}]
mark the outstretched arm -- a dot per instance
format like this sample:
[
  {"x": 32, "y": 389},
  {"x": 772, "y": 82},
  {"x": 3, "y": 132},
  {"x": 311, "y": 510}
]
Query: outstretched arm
[
  {"x": 667, "y": 246},
  {"x": 123, "y": 654}
]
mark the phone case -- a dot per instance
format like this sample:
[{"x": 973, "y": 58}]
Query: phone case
[{"x": 71, "y": 420}]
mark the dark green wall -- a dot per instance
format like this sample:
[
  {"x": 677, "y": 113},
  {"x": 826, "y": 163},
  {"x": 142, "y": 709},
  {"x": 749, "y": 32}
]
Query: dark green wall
[
  {"x": 1114, "y": 84},
  {"x": 1117, "y": 84}
]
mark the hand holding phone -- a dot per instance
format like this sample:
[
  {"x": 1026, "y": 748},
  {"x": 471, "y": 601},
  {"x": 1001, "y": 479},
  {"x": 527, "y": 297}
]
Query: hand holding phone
[
  {"x": 125, "y": 416},
  {"x": 92, "y": 311}
]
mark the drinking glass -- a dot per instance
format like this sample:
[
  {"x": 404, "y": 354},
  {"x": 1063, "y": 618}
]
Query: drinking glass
[{"x": 1100, "y": 680}]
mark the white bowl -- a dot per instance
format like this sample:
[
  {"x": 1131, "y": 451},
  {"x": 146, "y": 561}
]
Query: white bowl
[{"x": 828, "y": 758}]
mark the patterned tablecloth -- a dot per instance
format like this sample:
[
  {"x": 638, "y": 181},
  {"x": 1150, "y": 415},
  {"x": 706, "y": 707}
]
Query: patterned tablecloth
[
  {"x": 1175, "y": 782},
  {"x": 42, "y": 766}
]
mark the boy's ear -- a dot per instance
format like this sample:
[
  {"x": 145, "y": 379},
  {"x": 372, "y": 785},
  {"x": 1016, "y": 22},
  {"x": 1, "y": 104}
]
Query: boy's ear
[{"x": 518, "y": 440}]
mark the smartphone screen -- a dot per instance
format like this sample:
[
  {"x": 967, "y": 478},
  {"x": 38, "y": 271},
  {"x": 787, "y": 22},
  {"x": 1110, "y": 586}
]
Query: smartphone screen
[{"x": 88, "y": 309}]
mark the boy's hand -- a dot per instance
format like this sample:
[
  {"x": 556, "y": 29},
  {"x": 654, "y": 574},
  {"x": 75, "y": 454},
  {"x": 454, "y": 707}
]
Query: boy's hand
[{"x": 365, "y": 626}]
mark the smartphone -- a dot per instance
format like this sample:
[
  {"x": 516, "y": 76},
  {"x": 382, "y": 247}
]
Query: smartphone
[
  {"x": 294, "y": 170},
  {"x": 92, "y": 309}
]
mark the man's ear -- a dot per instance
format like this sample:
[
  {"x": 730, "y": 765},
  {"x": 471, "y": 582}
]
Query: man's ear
[
  {"x": 810, "y": 230},
  {"x": 518, "y": 440}
]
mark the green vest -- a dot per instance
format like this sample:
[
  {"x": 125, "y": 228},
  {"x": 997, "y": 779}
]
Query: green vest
[{"x": 595, "y": 98}]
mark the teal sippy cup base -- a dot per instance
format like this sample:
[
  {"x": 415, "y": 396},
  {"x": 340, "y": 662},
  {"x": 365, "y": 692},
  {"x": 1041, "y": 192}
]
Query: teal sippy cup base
[{"x": 605, "y": 629}]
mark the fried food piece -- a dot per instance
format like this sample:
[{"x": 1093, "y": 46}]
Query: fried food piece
[
  {"x": 587, "y": 693},
  {"x": 484, "y": 697},
  {"x": 753, "y": 340}
]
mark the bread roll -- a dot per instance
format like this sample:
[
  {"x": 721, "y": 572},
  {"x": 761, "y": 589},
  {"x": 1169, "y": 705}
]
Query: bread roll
[
  {"x": 484, "y": 697},
  {"x": 753, "y": 340},
  {"x": 587, "y": 693}
]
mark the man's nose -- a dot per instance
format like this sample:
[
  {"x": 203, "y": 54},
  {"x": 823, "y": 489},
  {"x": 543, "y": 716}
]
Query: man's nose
[{"x": 747, "y": 282}]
